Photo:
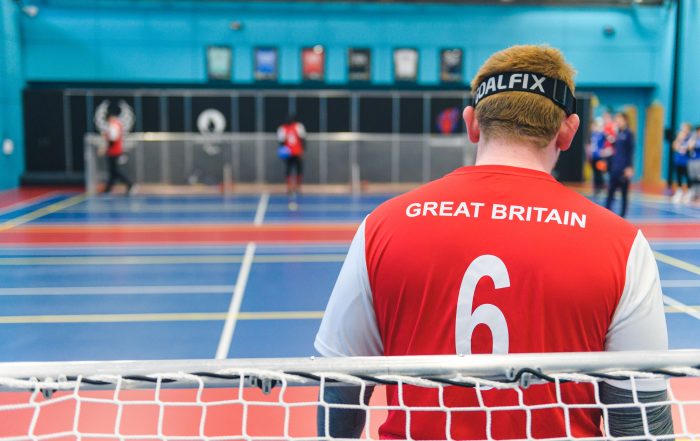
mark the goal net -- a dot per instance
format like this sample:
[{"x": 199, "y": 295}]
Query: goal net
[{"x": 279, "y": 398}]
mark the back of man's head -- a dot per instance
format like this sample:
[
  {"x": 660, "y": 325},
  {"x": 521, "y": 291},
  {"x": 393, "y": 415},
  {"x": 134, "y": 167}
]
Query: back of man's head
[{"x": 522, "y": 116}]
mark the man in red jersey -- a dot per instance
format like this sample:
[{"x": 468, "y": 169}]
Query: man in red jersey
[
  {"x": 114, "y": 135},
  {"x": 500, "y": 258},
  {"x": 291, "y": 136}
]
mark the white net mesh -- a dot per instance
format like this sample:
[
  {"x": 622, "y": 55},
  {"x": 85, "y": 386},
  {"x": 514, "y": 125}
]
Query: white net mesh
[{"x": 476, "y": 397}]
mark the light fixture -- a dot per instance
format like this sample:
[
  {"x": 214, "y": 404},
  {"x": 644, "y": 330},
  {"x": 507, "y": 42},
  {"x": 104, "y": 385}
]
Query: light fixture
[{"x": 30, "y": 10}]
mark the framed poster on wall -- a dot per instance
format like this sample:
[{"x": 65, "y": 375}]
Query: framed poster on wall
[
  {"x": 313, "y": 63},
  {"x": 359, "y": 61},
  {"x": 265, "y": 63},
  {"x": 219, "y": 62},
  {"x": 451, "y": 65},
  {"x": 405, "y": 65}
]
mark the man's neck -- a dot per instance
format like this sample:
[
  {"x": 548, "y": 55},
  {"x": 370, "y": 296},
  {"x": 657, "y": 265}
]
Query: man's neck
[{"x": 516, "y": 155}]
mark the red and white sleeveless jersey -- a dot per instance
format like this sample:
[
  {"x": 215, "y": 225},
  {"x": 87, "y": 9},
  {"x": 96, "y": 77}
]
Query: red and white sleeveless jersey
[
  {"x": 292, "y": 135},
  {"x": 494, "y": 259},
  {"x": 115, "y": 137}
]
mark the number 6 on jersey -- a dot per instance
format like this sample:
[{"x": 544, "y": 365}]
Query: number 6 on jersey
[{"x": 487, "y": 314}]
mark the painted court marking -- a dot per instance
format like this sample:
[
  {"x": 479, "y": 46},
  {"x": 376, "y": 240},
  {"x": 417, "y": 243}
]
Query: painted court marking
[
  {"x": 41, "y": 212},
  {"x": 262, "y": 207},
  {"x": 235, "y": 306},
  {"x": 680, "y": 283},
  {"x": 678, "y": 263},
  {"x": 28, "y": 202},
  {"x": 692, "y": 311},
  {"x": 116, "y": 290},
  {"x": 162, "y": 317},
  {"x": 674, "y": 308},
  {"x": 166, "y": 260}
]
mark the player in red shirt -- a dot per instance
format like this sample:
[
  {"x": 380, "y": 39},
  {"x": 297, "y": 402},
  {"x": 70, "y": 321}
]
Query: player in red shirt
[
  {"x": 291, "y": 136},
  {"x": 500, "y": 258},
  {"x": 114, "y": 135}
]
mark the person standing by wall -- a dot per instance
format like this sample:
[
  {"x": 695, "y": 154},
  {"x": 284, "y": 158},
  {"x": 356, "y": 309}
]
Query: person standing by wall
[
  {"x": 621, "y": 171},
  {"x": 292, "y": 136},
  {"x": 114, "y": 135},
  {"x": 680, "y": 163}
]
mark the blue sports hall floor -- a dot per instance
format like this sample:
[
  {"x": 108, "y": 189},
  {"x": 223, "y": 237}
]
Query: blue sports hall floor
[{"x": 205, "y": 276}]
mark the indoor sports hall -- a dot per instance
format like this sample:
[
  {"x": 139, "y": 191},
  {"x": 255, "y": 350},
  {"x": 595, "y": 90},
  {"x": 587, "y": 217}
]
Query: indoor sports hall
[{"x": 183, "y": 301}]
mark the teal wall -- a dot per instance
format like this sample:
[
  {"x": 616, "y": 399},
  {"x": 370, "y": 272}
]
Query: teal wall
[
  {"x": 164, "y": 41},
  {"x": 11, "y": 84},
  {"x": 689, "y": 80}
]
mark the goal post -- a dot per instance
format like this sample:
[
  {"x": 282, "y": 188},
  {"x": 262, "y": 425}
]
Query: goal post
[{"x": 256, "y": 399}]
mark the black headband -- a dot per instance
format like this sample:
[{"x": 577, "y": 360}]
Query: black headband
[{"x": 555, "y": 90}]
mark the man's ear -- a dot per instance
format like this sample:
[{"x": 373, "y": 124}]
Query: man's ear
[
  {"x": 469, "y": 117},
  {"x": 567, "y": 131}
]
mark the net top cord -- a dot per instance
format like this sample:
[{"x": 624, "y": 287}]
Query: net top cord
[{"x": 499, "y": 371}]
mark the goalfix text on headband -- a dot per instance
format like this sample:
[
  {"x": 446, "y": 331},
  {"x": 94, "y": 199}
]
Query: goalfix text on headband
[{"x": 556, "y": 90}]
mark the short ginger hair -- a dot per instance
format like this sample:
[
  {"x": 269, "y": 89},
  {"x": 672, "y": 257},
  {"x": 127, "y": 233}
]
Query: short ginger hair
[{"x": 522, "y": 115}]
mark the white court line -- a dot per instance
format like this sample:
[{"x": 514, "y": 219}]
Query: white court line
[
  {"x": 262, "y": 208},
  {"x": 236, "y": 300},
  {"x": 681, "y": 245},
  {"x": 682, "y": 307},
  {"x": 116, "y": 290},
  {"x": 680, "y": 283}
]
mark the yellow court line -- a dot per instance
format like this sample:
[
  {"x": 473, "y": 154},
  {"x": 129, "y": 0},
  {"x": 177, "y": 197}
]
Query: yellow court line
[
  {"x": 41, "y": 212},
  {"x": 682, "y": 264},
  {"x": 165, "y": 260},
  {"x": 158, "y": 317}
]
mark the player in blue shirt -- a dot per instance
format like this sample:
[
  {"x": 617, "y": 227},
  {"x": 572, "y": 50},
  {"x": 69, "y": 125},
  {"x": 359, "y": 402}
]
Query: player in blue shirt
[
  {"x": 620, "y": 170},
  {"x": 681, "y": 155}
]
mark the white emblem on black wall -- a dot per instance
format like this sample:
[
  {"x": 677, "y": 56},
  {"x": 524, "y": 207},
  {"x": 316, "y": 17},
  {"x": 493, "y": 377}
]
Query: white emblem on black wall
[
  {"x": 211, "y": 121},
  {"x": 126, "y": 116}
]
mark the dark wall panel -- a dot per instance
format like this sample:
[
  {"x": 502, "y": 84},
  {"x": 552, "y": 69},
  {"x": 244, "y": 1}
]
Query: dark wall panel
[
  {"x": 246, "y": 114},
  {"x": 150, "y": 114},
  {"x": 78, "y": 127},
  {"x": 309, "y": 113},
  {"x": 338, "y": 110},
  {"x": 43, "y": 131},
  {"x": 176, "y": 114},
  {"x": 375, "y": 115},
  {"x": 276, "y": 112},
  {"x": 411, "y": 115}
]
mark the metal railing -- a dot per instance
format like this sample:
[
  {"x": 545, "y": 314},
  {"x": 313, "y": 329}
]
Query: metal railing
[{"x": 330, "y": 158}]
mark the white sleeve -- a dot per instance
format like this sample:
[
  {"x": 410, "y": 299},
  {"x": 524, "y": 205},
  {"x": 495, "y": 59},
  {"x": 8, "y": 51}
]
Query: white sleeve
[
  {"x": 639, "y": 323},
  {"x": 349, "y": 325},
  {"x": 112, "y": 132},
  {"x": 280, "y": 134},
  {"x": 301, "y": 130}
]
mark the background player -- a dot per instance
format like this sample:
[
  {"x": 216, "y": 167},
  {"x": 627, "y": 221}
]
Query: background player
[
  {"x": 681, "y": 155},
  {"x": 292, "y": 134},
  {"x": 114, "y": 135},
  {"x": 599, "y": 165},
  {"x": 430, "y": 270},
  {"x": 620, "y": 171}
]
